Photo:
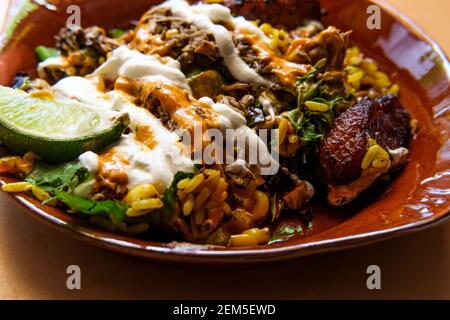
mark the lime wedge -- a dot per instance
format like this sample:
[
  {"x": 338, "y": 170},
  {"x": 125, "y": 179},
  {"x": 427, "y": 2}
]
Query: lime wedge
[{"x": 56, "y": 130}]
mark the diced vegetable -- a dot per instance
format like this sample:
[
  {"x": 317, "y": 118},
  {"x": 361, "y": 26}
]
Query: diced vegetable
[{"x": 206, "y": 84}]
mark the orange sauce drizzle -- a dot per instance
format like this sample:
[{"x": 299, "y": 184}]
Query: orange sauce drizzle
[
  {"x": 144, "y": 134},
  {"x": 184, "y": 110},
  {"x": 111, "y": 172},
  {"x": 146, "y": 42},
  {"x": 287, "y": 72}
]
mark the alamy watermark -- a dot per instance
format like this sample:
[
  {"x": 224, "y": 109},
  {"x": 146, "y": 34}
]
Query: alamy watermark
[
  {"x": 373, "y": 282},
  {"x": 74, "y": 19},
  {"x": 73, "y": 281},
  {"x": 226, "y": 146},
  {"x": 374, "y": 20}
]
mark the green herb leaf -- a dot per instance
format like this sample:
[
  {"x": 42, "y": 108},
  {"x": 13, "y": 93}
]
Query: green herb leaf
[
  {"x": 311, "y": 125},
  {"x": 44, "y": 53},
  {"x": 285, "y": 232},
  {"x": 116, "y": 33},
  {"x": 62, "y": 176},
  {"x": 107, "y": 208}
]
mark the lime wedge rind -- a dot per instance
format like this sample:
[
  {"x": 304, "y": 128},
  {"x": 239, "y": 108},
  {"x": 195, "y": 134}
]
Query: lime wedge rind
[{"x": 57, "y": 131}]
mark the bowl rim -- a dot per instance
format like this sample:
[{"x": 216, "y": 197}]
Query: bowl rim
[
  {"x": 164, "y": 253},
  {"x": 196, "y": 255}
]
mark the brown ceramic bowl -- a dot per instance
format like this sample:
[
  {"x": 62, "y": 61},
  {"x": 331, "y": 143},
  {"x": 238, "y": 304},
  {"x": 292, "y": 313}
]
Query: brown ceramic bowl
[{"x": 418, "y": 197}]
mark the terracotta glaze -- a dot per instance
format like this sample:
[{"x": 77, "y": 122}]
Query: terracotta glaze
[{"x": 417, "y": 197}]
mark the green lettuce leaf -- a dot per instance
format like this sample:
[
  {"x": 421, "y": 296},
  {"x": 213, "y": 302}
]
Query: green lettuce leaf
[
  {"x": 115, "y": 209},
  {"x": 62, "y": 176}
]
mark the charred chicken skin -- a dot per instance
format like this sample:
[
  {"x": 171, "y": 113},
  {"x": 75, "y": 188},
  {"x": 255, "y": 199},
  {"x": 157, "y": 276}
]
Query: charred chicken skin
[{"x": 344, "y": 147}]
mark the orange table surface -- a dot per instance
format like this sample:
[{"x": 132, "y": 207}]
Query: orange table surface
[{"x": 34, "y": 257}]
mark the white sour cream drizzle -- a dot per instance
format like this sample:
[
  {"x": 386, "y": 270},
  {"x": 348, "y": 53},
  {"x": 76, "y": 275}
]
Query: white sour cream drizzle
[
  {"x": 159, "y": 164},
  {"x": 229, "y": 118},
  {"x": 206, "y": 16},
  {"x": 251, "y": 142},
  {"x": 136, "y": 66},
  {"x": 58, "y": 62}
]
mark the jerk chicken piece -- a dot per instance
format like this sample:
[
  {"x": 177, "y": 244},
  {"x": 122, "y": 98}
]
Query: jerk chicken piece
[
  {"x": 381, "y": 121},
  {"x": 277, "y": 12}
]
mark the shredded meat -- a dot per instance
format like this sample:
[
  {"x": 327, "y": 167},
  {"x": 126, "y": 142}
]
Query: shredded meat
[
  {"x": 160, "y": 33},
  {"x": 110, "y": 185},
  {"x": 249, "y": 55},
  {"x": 344, "y": 146},
  {"x": 310, "y": 29},
  {"x": 77, "y": 38},
  {"x": 330, "y": 44},
  {"x": 82, "y": 49},
  {"x": 240, "y": 105}
]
